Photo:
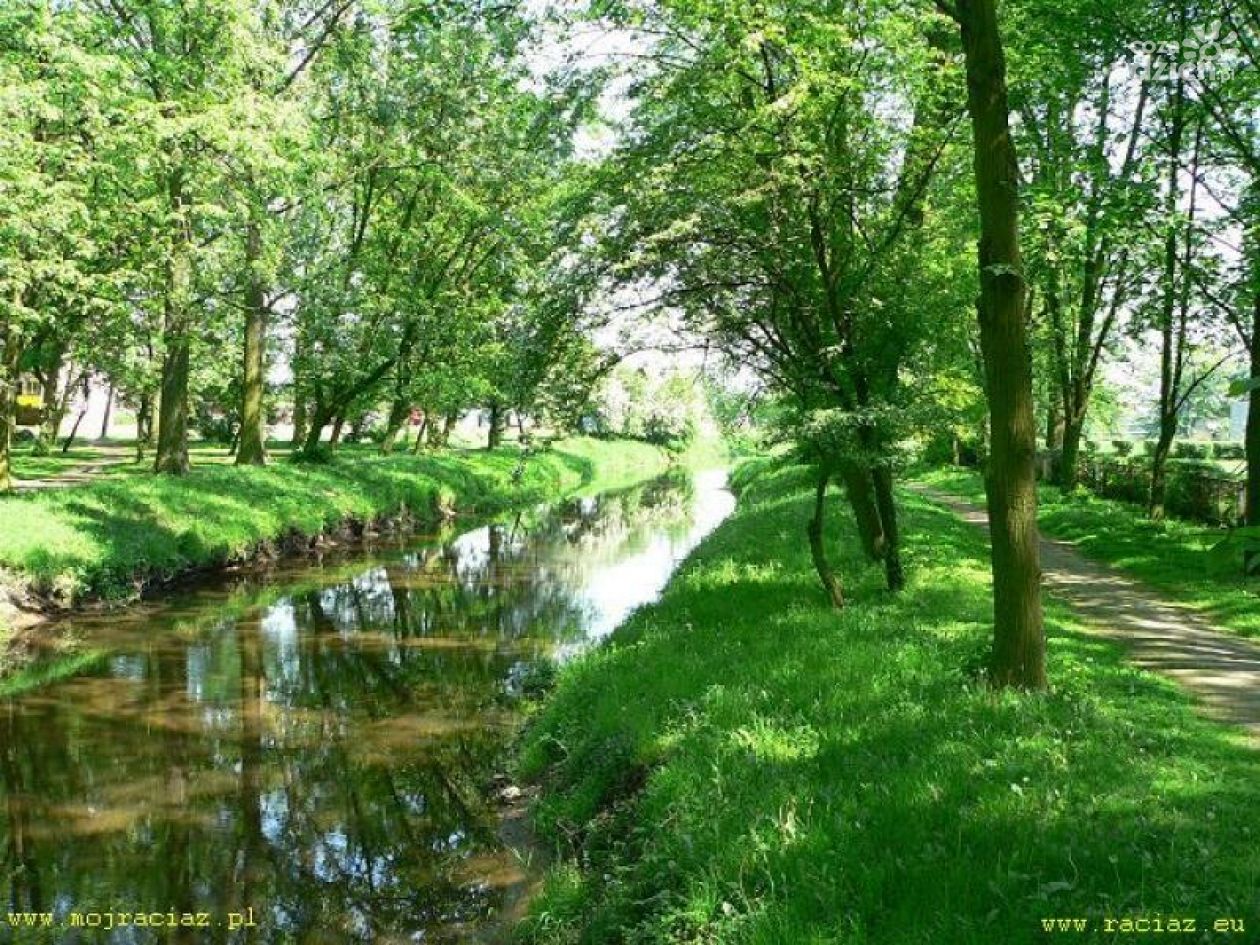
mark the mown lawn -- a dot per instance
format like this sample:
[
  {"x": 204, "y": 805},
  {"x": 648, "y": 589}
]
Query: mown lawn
[
  {"x": 107, "y": 538},
  {"x": 1190, "y": 563},
  {"x": 741, "y": 765}
]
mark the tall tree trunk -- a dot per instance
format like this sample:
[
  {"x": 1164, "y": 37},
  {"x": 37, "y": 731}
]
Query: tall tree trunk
[
  {"x": 319, "y": 419},
  {"x": 418, "y": 445},
  {"x": 448, "y": 427},
  {"x": 859, "y": 488},
  {"x": 172, "y": 434},
  {"x": 494, "y": 438},
  {"x": 1159, "y": 465},
  {"x": 886, "y": 500},
  {"x": 1174, "y": 308},
  {"x": 1054, "y": 421},
  {"x": 817, "y": 544},
  {"x": 300, "y": 418},
  {"x": 109, "y": 408},
  {"x": 10, "y": 352},
  {"x": 399, "y": 411},
  {"x": 1070, "y": 453},
  {"x": 1253, "y": 425},
  {"x": 78, "y": 420},
  {"x": 54, "y": 403},
  {"x": 144, "y": 426},
  {"x": 252, "y": 450},
  {"x": 1019, "y": 646},
  {"x": 1253, "y": 401},
  {"x": 339, "y": 424}
]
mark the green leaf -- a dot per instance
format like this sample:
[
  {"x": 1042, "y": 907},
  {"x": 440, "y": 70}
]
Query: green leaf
[{"x": 1244, "y": 385}]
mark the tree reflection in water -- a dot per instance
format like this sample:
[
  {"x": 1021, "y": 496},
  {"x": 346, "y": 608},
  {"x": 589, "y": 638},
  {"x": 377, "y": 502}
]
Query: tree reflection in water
[{"x": 321, "y": 756}]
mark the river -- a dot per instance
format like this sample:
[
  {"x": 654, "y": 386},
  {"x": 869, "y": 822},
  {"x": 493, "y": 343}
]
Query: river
[{"x": 313, "y": 752}]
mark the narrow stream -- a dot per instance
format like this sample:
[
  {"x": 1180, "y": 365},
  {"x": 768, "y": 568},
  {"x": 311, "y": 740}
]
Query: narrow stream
[{"x": 309, "y": 754}]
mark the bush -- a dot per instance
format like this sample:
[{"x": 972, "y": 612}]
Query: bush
[
  {"x": 1230, "y": 450},
  {"x": 938, "y": 449},
  {"x": 671, "y": 432},
  {"x": 1189, "y": 449},
  {"x": 1122, "y": 447},
  {"x": 1197, "y": 489}
]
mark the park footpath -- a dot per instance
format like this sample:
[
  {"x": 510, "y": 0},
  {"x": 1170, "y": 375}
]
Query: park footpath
[{"x": 1221, "y": 670}]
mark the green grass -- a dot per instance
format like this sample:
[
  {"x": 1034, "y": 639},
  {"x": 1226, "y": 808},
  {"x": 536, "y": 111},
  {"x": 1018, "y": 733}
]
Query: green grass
[
  {"x": 1189, "y": 563},
  {"x": 116, "y": 458},
  {"x": 26, "y": 465},
  {"x": 741, "y": 765},
  {"x": 109, "y": 538}
]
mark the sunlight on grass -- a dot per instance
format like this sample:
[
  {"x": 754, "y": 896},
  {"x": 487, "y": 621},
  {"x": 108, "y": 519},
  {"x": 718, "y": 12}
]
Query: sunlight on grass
[
  {"x": 1192, "y": 564},
  {"x": 109, "y": 538},
  {"x": 742, "y": 764}
]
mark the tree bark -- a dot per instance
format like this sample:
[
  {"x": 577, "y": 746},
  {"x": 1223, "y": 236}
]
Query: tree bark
[
  {"x": 109, "y": 407},
  {"x": 1011, "y": 488},
  {"x": 1253, "y": 435},
  {"x": 859, "y": 489},
  {"x": 494, "y": 438},
  {"x": 1069, "y": 455},
  {"x": 1253, "y": 402},
  {"x": 399, "y": 411},
  {"x": 78, "y": 420},
  {"x": 894, "y": 572},
  {"x": 418, "y": 445},
  {"x": 10, "y": 352},
  {"x": 1159, "y": 466},
  {"x": 1054, "y": 422},
  {"x": 172, "y": 438},
  {"x": 252, "y": 450},
  {"x": 54, "y": 403},
  {"x": 817, "y": 545},
  {"x": 300, "y": 419},
  {"x": 1174, "y": 305},
  {"x": 144, "y": 426},
  {"x": 320, "y": 417}
]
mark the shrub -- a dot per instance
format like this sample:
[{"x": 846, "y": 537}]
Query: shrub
[
  {"x": 1189, "y": 449},
  {"x": 1197, "y": 489},
  {"x": 1122, "y": 447},
  {"x": 1230, "y": 450}
]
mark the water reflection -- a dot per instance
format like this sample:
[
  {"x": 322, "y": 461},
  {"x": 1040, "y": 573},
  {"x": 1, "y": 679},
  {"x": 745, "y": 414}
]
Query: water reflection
[{"x": 320, "y": 754}]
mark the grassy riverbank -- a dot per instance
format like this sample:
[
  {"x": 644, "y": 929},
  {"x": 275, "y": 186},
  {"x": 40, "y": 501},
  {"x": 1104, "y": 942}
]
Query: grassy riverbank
[
  {"x": 741, "y": 765},
  {"x": 109, "y": 539},
  {"x": 1187, "y": 562}
]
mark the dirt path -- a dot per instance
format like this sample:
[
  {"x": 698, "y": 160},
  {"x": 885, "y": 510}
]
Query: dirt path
[{"x": 1168, "y": 638}]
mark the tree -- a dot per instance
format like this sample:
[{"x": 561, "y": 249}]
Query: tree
[
  {"x": 189, "y": 63},
  {"x": 1019, "y": 656},
  {"x": 1083, "y": 108},
  {"x": 62, "y": 143},
  {"x": 773, "y": 194},
  {"x": 1229, "y": 93}
]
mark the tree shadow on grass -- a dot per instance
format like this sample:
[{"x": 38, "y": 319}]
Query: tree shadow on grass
[{"x": 817, "y": 776}]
